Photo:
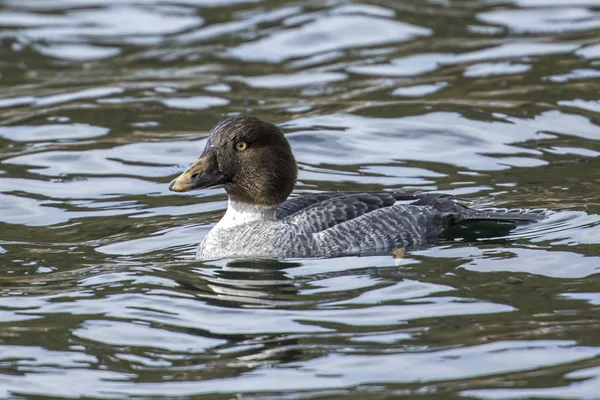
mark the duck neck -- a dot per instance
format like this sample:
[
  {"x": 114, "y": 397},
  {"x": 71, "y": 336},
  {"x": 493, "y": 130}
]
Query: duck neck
[{"x": 239, "y": 213}]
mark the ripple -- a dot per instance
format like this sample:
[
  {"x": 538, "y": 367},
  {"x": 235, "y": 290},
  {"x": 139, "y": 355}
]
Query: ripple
[
  {"x": 581, "y": 384},
  {"x": 543, "y": 20},
  {"x": 153, "y": 159},
  {"x": 69, "y": 4},
  {"x": 583, "y": 104},
  {"x": 575, "y": 75},
  {"x": 78, "y": 52},
  {"x": 116, "y": 20},
  {"x": 326, "y": 34},
  {"x": 195, "y": 102},
  {"x": 93, "y": 93},
  {"x": 249, "y": 21},
  {"x": 405, "y": 66},
  {"x": 566, "y": 228},
  {"x": 534, "y": 261},
  {"x": 549, "y": 3},
  {"x": 405, "y": 290},
  {"x": 335, "y": 371},
  {"x": 450, "y": 137},
  {"x": 422, "y": 63},
  {"x": 82, "y": 189},
  {"x": 489, "y": 69},
  {"x": 419, "y": 90},
  {"x": 292, "y": 80},
  {"x": 16, "y": 101},
  {"x": 110, "y": 23},
  {"x": 139, "y": 335},
  {"x": 590, "y": 52},
  {"x": 168, "y": 238},
  {"x": 29, "y": 356},
  {"x": 42, "y": 133},
  {"x": 515, "y": 50},
  {"x": 592, "y": 298}
]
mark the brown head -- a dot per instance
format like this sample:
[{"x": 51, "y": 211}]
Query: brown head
[{"x": 249, "y": 157}]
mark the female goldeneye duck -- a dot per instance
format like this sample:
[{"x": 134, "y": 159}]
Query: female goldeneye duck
[{"x": 253, "y": 161}]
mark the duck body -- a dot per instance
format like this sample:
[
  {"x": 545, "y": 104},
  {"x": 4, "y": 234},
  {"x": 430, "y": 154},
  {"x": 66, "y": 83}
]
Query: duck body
[{"x": 253, "y": 161}]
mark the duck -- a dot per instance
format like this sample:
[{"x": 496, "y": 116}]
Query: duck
[{"x": 253, "y": 161}]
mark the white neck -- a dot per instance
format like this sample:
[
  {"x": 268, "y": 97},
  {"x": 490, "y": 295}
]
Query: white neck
[{"x": 239, "y": 213}]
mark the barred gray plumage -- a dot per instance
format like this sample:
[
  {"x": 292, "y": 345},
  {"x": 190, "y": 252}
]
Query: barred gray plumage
[{"x": 334, "y": 224}]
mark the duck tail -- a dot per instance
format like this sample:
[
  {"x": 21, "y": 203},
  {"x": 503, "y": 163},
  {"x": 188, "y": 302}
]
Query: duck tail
[
  {"x": 457, "y": 213},
  {"x": 500, "y": 215}
]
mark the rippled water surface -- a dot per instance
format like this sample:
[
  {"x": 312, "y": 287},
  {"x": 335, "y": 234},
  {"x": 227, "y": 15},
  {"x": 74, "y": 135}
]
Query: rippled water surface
[{"x": 103, "y": 102}]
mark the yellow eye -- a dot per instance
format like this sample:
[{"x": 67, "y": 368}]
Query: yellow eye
[{"x": 241, "y": 146}]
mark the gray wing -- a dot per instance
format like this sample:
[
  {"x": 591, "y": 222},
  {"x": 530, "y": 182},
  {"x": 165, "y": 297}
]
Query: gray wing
[
  {"x": 384, "y": 229},
  {"x": 325, "y": 210},
  {"x": 399, "y": 225},
  {"x": 347, "y": 225},
  {"x": 353, "y": 202}
]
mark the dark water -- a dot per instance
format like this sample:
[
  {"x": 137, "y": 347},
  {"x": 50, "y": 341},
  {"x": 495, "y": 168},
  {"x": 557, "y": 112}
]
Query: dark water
[{"x": 102, "y": 102}]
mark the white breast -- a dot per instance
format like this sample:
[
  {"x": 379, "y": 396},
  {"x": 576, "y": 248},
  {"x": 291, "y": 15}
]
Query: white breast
[{"x": 243, "y": 213}]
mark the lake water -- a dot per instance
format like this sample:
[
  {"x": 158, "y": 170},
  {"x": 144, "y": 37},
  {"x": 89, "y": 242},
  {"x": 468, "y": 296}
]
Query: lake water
[{"x": 103, "y": 102}]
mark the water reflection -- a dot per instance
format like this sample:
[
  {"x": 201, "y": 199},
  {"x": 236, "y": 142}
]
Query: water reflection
[{"x": 104, "y": 101}]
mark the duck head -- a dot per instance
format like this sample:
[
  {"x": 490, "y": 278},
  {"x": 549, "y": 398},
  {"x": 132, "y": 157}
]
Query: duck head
[{"x": 249, "y": 157}]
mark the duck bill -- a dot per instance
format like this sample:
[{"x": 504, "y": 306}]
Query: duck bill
[{"x": 204, "y": 173}]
